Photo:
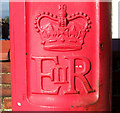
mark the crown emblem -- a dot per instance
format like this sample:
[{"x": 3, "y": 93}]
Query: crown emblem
[{"x": 62, "y": 32}]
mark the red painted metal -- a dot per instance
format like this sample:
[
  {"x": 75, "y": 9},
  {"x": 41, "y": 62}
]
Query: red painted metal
[{"x": 60, "y": 56}]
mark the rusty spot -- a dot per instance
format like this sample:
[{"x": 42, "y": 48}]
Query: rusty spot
[
  {"x": 77, "y": 106},
  {"x": 99, "y": 55},
  {"x": 101, "y": 46},
  {"x": 101, "y": 84}
]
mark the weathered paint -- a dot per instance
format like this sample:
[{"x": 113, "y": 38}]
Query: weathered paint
[{"x": 60, "y": 56}]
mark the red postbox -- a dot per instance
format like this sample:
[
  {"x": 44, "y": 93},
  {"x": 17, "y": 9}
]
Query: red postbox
[{"x": 60, "y": 56}]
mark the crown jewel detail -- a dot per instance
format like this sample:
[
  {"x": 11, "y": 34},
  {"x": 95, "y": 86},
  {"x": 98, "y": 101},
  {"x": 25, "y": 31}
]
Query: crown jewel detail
[{"x": 63, "y": 32}]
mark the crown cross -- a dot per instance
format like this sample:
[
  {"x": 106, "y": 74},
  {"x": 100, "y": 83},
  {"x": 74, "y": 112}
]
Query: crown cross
[{"x": 62, "y": 16}]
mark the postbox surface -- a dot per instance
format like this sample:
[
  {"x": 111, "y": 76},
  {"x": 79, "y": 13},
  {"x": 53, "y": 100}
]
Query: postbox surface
[{"x": 59, "y": 68}]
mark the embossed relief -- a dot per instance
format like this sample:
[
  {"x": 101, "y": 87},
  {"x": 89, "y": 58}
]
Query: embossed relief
[
  {"x": 73, "y": 64},
  {"x": 66, "y": 34}
]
